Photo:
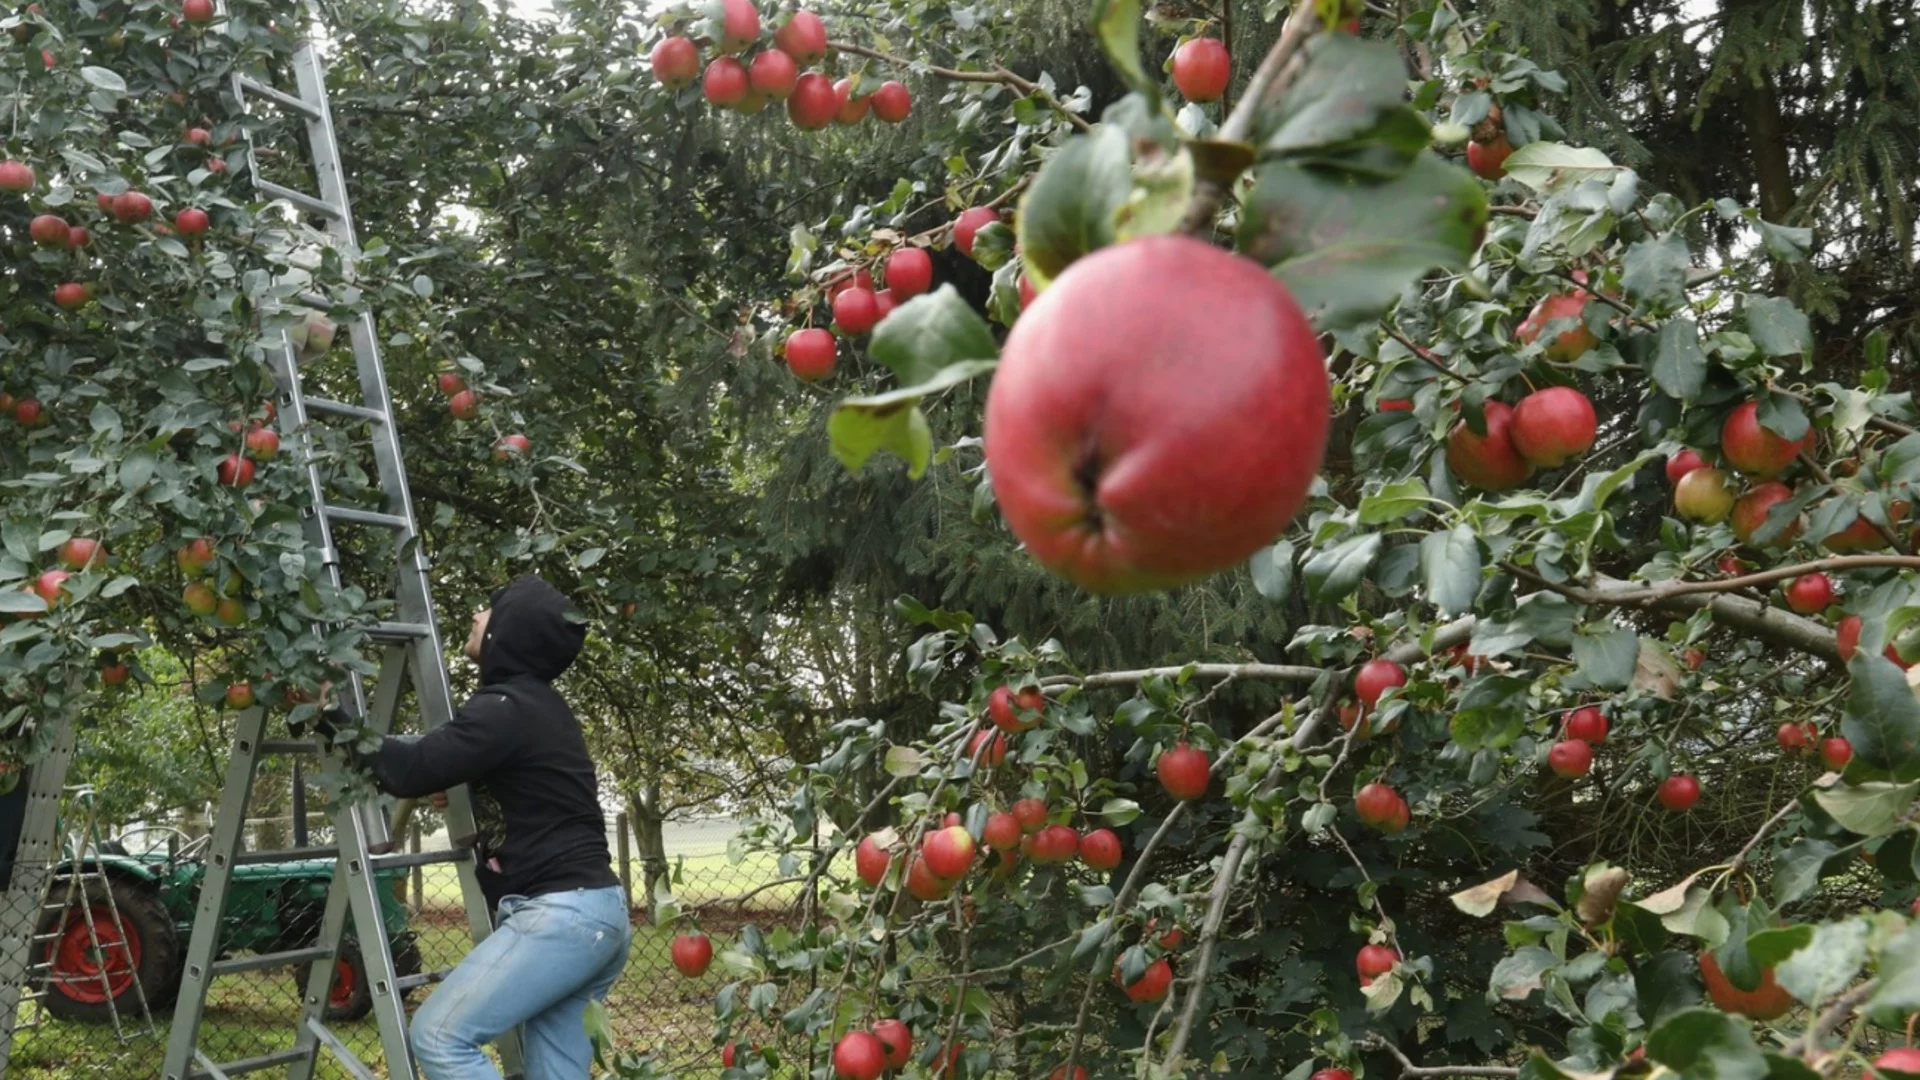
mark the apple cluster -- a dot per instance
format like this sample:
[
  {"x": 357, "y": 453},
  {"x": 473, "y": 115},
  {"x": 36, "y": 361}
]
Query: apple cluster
[{"x": 774, "y": 74}]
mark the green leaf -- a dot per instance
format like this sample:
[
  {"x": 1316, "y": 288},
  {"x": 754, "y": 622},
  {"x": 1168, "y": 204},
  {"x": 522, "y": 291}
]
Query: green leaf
[
  {"x": 1607, "y": 659},
  {"x": 929, "y": 334},
  {"x": 21, "y": 602},
  {"x": 1394, "y": 501},
  {"x": 1273, "y": 571},
  {"x": 1120, "y": 811},
  {"x": 1679, "y": 366},
  {"x": 993, "y": 245},
  {"x": 1162, "y": 189},
  {"x": 1550, "y": 166},
  {"x": 104, "y": 78},
  {"x": 1707, "y": 1044},
  {"x": 1334, "y": 572},
  {"x": 1346, "y": 246},
  {"x": 1783, "y": 416},
  {"x": 1882, "y": 719},
  {"x": 1656, "y": 270},
  {"x": 1824, "y": 965},
  {"x": 1777, "y": 327},
  {"x": 1450, "y": 562},
  {"x": 1665, "y": 984},
  {"x": 1519, "y": 975},
  {"x": 1069, "y": 211},
  {"x": 1870, "y": 809},
  {"x": 1351, "y": 94},
  {"x": 861, "y": 426},
  {"x": 1770, "y": 947},
  {"x": 1116, "y": 23},
  {"x": 1092, "y": 938},
  {"x": 1797, "y": 870},
  {"x": 1784, "y": 242},
  {"x": 1898, "y": 990}
]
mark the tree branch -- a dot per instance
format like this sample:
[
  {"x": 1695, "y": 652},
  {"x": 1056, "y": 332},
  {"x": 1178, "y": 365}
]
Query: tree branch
[
  {"x": 998, "y": 75},
  {"x": 1408, "y": 1068},
  {"x": 1276, "y": 672},
  {"x": 1269, "y": 80}
]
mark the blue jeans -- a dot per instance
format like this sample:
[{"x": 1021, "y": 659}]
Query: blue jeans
[{"x": 550, "y": 955}]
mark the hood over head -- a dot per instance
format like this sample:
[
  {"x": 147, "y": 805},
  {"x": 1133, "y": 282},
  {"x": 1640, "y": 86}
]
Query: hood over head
[{"x": 534, "y": 630}]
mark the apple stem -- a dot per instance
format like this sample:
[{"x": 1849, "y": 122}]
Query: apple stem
[{"x": 1268, "y": 81}]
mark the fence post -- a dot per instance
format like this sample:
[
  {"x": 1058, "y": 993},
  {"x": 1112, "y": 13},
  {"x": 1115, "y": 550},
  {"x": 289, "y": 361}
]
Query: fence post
[
  {"x": 626, "y": 858},
  {"x": 419, "y": 897}
]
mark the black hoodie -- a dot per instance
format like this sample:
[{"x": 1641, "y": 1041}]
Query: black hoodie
[{"x": 518, "y": 743}]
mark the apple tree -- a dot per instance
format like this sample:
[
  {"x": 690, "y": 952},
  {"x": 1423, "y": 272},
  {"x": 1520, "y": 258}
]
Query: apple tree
[{"x": 1607, "y": 595}]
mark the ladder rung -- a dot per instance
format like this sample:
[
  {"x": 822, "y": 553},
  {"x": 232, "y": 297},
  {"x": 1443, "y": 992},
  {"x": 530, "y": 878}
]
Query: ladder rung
[
  {"x": 279, "y": 97},
  {"x": 289, "y": 746},
  {"x": 408, "y": 982},
  {"x": 341, "y": 408},
  {"x": 299, "y": 198},
  {"x": 420, "y": 858},
  {"x": 340, "y": 1052},
  {"x": 210, "y": 1071},
  {"x": 367, "y": 517},
  {"x": 286, "y": 855},
  {"x": 265, "y": 961},
  {"x": 385, "y": 632}
]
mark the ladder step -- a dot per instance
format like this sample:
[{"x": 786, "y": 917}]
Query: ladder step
[
  {"x": 341, "y": 408},
  {"x": 389, "y": 632},
  {"x": 340, "y": 1052},
  {"x": 278, "y": 97},
  {"x": 266, "y": 961},
  {"x": 408, "y": 982},
  {"x": 420, "y": 858},
  {"x": 285, "y": 855},
  {"x": 367, "y": 517},
  {"x": 210, "y": 1071},
  {"x": 299, "y": 198},
  {"x": 289, "y": 746}
]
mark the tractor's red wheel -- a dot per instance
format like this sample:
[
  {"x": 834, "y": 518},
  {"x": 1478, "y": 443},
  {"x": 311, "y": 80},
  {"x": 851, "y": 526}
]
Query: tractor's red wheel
[
  {"x": 85, "y": 976},
  {"x": 346, "y": 983},
  {"x": 139, "y": 950}
]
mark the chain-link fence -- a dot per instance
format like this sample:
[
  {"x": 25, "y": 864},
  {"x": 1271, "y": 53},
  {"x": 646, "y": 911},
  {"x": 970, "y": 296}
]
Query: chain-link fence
[{"x": 110, "y": 945}]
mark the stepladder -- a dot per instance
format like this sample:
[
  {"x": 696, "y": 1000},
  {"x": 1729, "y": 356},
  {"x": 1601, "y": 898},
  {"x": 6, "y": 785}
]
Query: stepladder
[{"x": 368, "y": 536}]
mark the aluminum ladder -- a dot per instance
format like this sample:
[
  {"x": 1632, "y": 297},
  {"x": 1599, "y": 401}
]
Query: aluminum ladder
[
  {"x": 411, "y": 654},
  {"x": 35, "y": 857}
]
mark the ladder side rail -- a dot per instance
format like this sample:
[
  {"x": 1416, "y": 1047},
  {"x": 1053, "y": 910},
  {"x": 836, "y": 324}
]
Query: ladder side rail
[{"x": 34, "y": 859}]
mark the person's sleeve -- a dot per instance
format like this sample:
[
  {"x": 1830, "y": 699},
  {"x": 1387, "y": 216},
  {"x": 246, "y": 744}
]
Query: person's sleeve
[{"x": 483, "y": 736}]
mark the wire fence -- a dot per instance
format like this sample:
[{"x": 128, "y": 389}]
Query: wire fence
[{"x": 110, "y": 945}]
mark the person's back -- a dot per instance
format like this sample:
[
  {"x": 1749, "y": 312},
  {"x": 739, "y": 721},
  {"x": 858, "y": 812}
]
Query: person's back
[{"x": 562, "y": 918}]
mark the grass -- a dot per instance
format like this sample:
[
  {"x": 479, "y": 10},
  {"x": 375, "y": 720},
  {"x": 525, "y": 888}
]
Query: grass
[{"x": 652, "y": 1007}]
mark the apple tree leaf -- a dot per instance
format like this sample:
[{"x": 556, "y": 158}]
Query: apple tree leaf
[
  {"x": 928, "y": 334},
  {"x": 1334, "y": 572},
  {"x": 1882, "y": 718},
  {"x": 1777, "y": 327},
  {"x": 1656, "y": 269},
  {"x": 1547, "y": 167},
  {"x": 1069, "y": 210},
  {"x": 1707, "y": 1044},
  {"x": 1451, "y": 563},
  {"x": 1116, "y": 23},
  {"x": 861, "y": 426},
  {"x": 1679, "y": 365},
  {"x": 1870, "y": 809}
]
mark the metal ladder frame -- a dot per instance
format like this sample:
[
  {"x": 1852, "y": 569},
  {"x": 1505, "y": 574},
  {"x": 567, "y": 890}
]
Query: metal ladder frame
[
  {"x": 412, "y": 652},
  {"x": 35, "y": 856},
  {"x": 85, "y": 848}
]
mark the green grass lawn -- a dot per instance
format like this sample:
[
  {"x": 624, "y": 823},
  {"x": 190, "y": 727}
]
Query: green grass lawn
[{"x": 652, "y": 1007}]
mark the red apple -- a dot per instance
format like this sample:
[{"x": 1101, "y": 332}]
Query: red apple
[
  {"x": 884, "y": 303},
  {"x": 511, "y": 446},
  {"x": 1031, "y": 814},
  {"x": 1553, "y": 426},
  {"x": 1060, "y": 1073},
  {"x": 195, "y": 557},
  {"x": 197, "y": 11},
  {"x": 847, "y": 108},
  {"x": 856, "y": 311},
  {"x": 1002, "y": 831},
  {"x": 216, "y": 164},
  {"x": 1201, "y": 69},
  {"x": 131, "y": 208},
  {"x": 691, "y": 953},
  {"x": 1901, "y": 1059},
  {"x": 909, "y": 272},
  {"x": 113, "y": 674},
  {"x": 1847, "y": 636},
  {"x": 1572, "y": 344},
  {"x": 1395, "y": 405},
  {"x": 1751, "y": 512},
  {"x": 988, "y": 748},
  {"x": 1006, "y": 708},
  {"x": 803, "y": 36},
  {"x": 891, "y": 103},
  {"x": 675, "y": 61},
  {"x": 50, "y": 586},
  {"x": 1768, "y": 1001},
  {"x": 1100, "y": 849},
  {"x": 240, "y": 696},
  {"x": 78, "y": 237},
  {"x": 16, "y": 176},
  {"x": 50, "y": 230},
  {"x": 1184, "y": 771},
  {"x": 870, "y": 861},
  {"x": 1152, "y": 983},
  {"x": 1587, "y": 724},
  {"x": 230, "y": 611},
  {"x": 813, "y": 104},
  {"x": 1027, "y": 292},
  {"x": 1375, "y": 678},
  {"x": 1488, "y": 160},
  {"x": 200, "y": 599},
  {"x": 949, "y": 852},
  {"x": 80, "y": 551},
  {"x": 923, "y": 884},
  {"x": 1489, "y": 462},
  {"x": 725, "y": 83},
  {"x": 1055, "y": 844},
  {"x": 811, "y": 353},
  {"x": 1809, "y": 593},
  {"x": 1378, "y": 805},
  {"x": 28, "y": 413},
  {"x": 234, "y": 471},
  {"x": 969, "y": 224},
  {"x": 893, "y": 1035},
  {"x": 192, "y": 221},
  {"x": 199, "y": 136},
  {"x": 1331, "y": 1074},
  {"x": 465, "y": 404},
  {"x": 1129, "y": 426},
  {"x": 1374, "y": 961},
  {"x": 1753, "y": 449},
  {"x": 773, "y": 73},
  {"x": 450, "y": 382},
  {"x": 1570, "y": 759},
  {"x": 740, "y": 25},
  {"x": 1860, "y": 534},
  {"x": 72, "y": 295},
  {"x": 1678, "y": 793},
  {"x": 1836, "y": 752},
  {"x": 1794, "y": 737},
  {"x": 1682, "y": 463}
]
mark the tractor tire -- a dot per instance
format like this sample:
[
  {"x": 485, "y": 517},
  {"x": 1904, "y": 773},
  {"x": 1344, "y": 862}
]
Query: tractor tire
[
  {"x": 407, "y": 961},
  {"x": 88, "y": 989},
  {"x": 351, "y": 996}
]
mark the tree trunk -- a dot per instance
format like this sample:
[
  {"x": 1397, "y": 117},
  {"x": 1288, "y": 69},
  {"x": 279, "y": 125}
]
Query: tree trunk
[
  {"x": 649, "y": 835},
  {"x": 1767, "y": 140}
]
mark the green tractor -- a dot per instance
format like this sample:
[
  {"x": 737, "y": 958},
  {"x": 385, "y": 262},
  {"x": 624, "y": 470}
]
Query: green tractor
[{"x": 155, "y": 888}]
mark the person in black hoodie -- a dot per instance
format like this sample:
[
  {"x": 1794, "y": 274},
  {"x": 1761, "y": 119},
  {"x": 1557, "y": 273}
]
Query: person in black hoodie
[{"x": 562, "y": 927}]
